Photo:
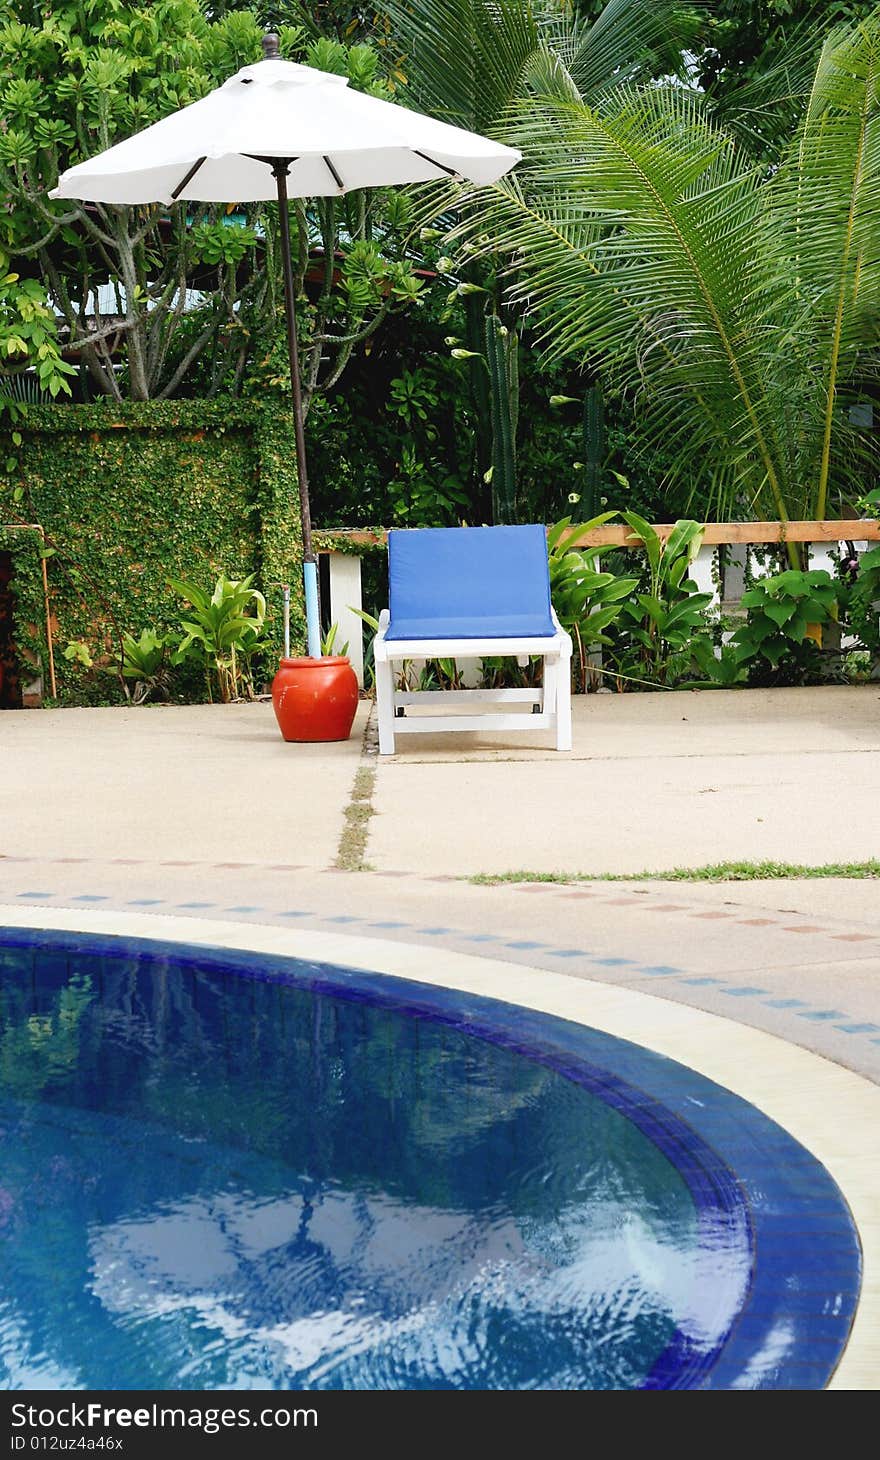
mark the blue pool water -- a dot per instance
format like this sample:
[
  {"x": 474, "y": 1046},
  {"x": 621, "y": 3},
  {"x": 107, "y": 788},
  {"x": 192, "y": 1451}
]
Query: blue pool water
[{"x": 273, "y": 1175}]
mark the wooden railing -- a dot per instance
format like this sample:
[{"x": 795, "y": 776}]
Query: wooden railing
[{"x": 714, "y": 533}]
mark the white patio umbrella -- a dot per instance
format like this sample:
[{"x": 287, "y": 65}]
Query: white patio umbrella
[{"x": 280, "y": 130}]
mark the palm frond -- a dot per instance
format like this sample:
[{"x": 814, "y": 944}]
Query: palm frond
[
  {"x": 737, "y": 307},
  {"x": 826, "y": 201},
  {"x": 466, "y": 58},
  {"x": 629, "y": 234},
  {"x": 769, "y": 103},
  {"x": 629, "y": 39}
]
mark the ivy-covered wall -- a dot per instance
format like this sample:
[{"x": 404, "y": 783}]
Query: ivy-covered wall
[
  {"x": 130, "y": 496},
  {"x": 24, "y": 544}
]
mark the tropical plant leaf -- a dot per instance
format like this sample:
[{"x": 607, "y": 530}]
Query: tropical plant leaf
[
  {"x": 469, "y": 60},
  {"x": 780, "y": 613},
  {"x": 737, "y": 304}
]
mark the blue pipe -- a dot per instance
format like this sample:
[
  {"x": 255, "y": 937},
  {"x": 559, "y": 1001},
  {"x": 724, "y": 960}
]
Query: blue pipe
[{"x": 313, "y": 615}]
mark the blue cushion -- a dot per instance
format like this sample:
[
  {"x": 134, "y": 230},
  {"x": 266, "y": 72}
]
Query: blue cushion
[{"x": 469, "y": 583}]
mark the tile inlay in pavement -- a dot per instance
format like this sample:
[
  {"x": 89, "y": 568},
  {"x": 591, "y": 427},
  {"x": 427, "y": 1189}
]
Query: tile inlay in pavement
[{"x": 709, "y": 974}]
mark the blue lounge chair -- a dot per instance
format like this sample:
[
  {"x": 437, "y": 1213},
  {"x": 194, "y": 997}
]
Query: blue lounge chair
[{"x": 469, "y": 592}]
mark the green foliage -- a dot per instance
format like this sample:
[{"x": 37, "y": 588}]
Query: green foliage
[
  {"x": 329, "y": 645},
  {"x": 758, "y": 59},
  {"x": 28, "y": 338},
  {"x": 229, "y": 246},
  {"x": 869, "y": 505},
  {"x": 414, "y": 398},
  {"x": 78, "y": 652},
  {"x": 421, "y": 490},
  {"x": 594, "y": 448},
  {"x": 652, "y": 623},
  {"x": 222, "y": 632},
  {"x": 468, "y": 60},
  {"x": 368, "y": 276},
  {"x": 778, "y": 640},
  {"x": 721, "y": 667},
  {"x": 144, "y": 662},
  {"x": 502, "y": 362},
  {"x": 859, "y": 600},
  {"x": 587, "y": 601},
  {"x": 31, "y": 647},
  {"x": 74, "y": 80},
  {"x": 423, "y": 459},
  {"x": 195, "y": 287},
  {"x": 419, "y": 496},
  {"x": 663, "y": 627},
  {"x": 712, "y": 872},
  {"x": 131, "y": 496},
  {"x": 369, "y": 647},
  {"x": 415, "y": 465},
  {"x": 738, "y": 301}
]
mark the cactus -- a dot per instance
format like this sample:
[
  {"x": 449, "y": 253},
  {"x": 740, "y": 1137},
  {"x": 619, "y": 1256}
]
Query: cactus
[
  {"x": 474, "y": 309},
  {"x": 594, "y": 450},
  {"x": 502, "y": 360}
]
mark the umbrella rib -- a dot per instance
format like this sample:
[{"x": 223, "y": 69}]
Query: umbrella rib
[
  {"x": 188, "y": 178},
  {"x": 450, "y": 171},
  {"x": 334, "y": 174}
]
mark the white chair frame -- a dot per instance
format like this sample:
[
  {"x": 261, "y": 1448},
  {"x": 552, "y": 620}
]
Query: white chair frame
[{"x": 554, "y": 697}]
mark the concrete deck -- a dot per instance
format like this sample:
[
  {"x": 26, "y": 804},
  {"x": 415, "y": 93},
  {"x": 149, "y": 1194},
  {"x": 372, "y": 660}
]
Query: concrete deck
[
  {"x": 654, "y": 782},
  {"x": 206, "y": 811},
  {"x": 212, "y": 782}
]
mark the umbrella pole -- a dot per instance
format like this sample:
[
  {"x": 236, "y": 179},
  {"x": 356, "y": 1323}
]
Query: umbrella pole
[{"x": 310, "y": 564}]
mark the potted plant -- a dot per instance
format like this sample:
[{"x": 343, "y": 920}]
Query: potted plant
[{"x": 316, "y": 699}]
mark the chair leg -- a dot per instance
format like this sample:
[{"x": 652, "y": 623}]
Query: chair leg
[
  {"x": 563, "y": 702},
  {"x": 548, "y": 704},
  {"x": 385, "y": 706}
]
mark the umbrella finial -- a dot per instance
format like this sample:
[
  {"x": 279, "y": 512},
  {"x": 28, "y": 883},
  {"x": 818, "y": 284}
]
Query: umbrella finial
[{"x": 271, "y": 50}]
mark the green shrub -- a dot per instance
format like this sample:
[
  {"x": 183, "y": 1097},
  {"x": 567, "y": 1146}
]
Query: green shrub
[
  {"x": 778, "y": 643},
  {"x": 223, "y": 632}
]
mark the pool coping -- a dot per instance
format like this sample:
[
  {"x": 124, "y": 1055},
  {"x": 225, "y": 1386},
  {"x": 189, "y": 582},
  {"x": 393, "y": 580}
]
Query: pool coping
[{"x": 823, "y": 1106}]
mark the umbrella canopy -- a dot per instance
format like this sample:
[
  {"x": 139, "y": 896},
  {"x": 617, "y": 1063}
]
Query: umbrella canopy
[
  {"x": 335, "y": 139},
  {"x": 280, "y": 130}
]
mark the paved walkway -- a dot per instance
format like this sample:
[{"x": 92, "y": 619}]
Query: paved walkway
[
  {"x": 655, "y": 781},
  {"x": 204, "y": 811}
]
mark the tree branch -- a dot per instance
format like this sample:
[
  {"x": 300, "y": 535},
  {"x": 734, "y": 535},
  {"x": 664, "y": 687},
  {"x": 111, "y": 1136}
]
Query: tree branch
[
  {"x": 360, "y": 334},
  {"x": 192, "y": 353}
]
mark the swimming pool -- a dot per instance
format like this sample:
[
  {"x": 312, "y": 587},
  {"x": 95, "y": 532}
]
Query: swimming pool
[{"x": 237, "y": 1171}]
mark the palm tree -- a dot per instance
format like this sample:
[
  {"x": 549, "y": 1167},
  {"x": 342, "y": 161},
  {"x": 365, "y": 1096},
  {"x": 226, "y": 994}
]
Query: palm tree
[
  {"x": 738, "y": 304},
  {"x": 468, "y": 61}
]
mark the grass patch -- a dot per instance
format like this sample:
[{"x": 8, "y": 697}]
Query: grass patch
[
  {"x": 356, "y": 828},
  {"x": 713, "y": 872}
]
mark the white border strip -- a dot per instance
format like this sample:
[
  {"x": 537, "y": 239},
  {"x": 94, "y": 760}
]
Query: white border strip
[{"x": 830, "y": 1110}]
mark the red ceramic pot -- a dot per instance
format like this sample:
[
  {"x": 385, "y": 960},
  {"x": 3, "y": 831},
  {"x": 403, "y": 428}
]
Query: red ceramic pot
[{"x": 315, "y": 699}]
